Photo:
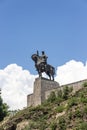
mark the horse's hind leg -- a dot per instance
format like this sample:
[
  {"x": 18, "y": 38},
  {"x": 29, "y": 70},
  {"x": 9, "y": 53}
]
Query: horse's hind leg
[
  {"x": 50, "y": 76},
  {"x": 53, "y": 77}
]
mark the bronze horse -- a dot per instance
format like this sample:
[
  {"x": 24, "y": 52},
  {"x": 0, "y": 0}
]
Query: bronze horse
[{"x": 43, "y": 67}]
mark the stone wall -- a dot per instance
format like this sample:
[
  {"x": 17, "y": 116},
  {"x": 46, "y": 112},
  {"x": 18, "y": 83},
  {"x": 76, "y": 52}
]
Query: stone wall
[
  {"x": 76, "y": 86},
  {"x": 30, "y": 101},
  {"x": 43, "y": 87}
]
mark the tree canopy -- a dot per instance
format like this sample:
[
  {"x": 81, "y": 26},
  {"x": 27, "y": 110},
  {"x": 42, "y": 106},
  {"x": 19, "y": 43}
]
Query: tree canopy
[{"x": 3, "y": 109}]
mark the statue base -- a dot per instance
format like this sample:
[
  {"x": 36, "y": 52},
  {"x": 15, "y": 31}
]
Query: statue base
[{"x": 42, "y": 89}]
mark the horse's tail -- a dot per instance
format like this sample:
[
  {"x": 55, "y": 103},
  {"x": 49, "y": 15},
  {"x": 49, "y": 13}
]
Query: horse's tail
[{"x": 53, "y": 71}]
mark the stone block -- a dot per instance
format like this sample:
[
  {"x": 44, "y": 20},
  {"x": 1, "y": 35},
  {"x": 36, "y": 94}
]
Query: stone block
[{"x": 41, "y": 86}]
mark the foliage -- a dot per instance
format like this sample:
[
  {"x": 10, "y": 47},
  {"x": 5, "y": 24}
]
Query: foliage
[
  {"x": 82, "y": 126},
  {"x": 85, "y": 110},
  {"x": 48, "y": 115},
  {"x": 59, "y": 93},
  {"x": 85, "y": 84},
  {"x": 84, "y": 99},
  {"x": 60, "y": 108},
  {"x": 53, "y": 125},
  {"x": 60, "y": 96},
  {"x": 52, "y": 97},
  {"x": 35, "y": 125},
  {"x": 3, "y": 109},
  {"x": 65, "y": 92},
  {"x": 72, "y": 102},
  {"x": 62, "y": 124},
  {"x": 70, "y": 115},
  {"x": 78, "y": 113}
]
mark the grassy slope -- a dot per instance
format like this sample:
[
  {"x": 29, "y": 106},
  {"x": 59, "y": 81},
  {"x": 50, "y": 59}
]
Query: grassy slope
[{"x": 66, "y": 111}]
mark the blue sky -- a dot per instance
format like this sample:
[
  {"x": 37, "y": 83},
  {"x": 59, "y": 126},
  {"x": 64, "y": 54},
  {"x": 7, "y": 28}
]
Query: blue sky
[{"x": 57, "y": 27}]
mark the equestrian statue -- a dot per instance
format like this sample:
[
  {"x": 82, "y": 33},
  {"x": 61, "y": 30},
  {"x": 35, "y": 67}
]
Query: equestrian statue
[{"x": 42, "y": 66}]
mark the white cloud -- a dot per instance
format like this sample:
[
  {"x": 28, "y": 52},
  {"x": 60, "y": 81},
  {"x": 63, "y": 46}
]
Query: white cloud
[
  {"x": 70, "y": 72},
  {"x": 16, "y": 83}
]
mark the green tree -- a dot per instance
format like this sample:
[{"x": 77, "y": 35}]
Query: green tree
[
  {"x": 65, "y": 92},
  {"x": 3, "y": 109}
]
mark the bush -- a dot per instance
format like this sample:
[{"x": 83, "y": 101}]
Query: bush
[
  {"x": 84, "y": 100},
  {"x": 81, "y": 95},
  {"x": 72, "y": 102},
  {"x": 85, "y": 110},
  {"x": 53, "y": 126},
  {"x": 78, "y": 113},
  {"x": 59, "y": 94},
  {"x": 60, "y": 109},
  {"x": 62, "y": 124},
  {"x": 65, "y": 92},
  {"x": 82, "y": 126},
  {"x": 52, "y": 97},
  {"x": 70, "y": 115},
  {"x": 85, "y": 84},
  {"x": 58, "y": 101}
]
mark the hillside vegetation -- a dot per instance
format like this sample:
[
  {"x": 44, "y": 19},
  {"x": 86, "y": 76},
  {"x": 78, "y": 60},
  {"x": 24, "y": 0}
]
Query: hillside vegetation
[{"x": 62, "y": 111}]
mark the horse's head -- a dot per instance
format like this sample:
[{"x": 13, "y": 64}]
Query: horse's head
[{"x": 34, "y": 57}]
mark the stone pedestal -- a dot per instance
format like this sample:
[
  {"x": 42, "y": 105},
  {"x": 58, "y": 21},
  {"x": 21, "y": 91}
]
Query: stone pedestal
[{"x": 41, "y": 87}]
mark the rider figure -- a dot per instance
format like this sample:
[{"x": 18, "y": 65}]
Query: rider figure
[
  {"x": 44, "y": 58},
  {"x": 41, "y": 59}
]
